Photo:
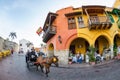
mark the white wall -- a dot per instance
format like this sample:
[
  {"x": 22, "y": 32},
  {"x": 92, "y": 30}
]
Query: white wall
[{"x": 24, "y": 46}]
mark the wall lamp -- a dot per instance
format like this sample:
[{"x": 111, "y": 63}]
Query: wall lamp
[{"x": 60, "y": 39}]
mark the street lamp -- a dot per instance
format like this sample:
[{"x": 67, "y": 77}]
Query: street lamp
[{"x": 59, "y": 39}]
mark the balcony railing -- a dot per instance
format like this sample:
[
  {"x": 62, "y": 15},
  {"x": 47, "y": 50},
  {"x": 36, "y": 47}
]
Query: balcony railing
[
  {"x": 50, "y": 32},
  {"x": 99, "y": 22}
]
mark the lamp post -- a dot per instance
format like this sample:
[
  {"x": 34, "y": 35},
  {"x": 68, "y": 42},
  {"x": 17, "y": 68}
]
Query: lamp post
[{"x": 60, "y": 39}]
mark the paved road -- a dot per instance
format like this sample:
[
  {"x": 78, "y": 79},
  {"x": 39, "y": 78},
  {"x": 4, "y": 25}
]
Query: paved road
[{"x": 14, "y": 68}]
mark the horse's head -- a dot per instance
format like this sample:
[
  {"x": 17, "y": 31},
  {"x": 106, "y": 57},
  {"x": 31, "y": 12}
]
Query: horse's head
[{"x": 54, "y": 60}]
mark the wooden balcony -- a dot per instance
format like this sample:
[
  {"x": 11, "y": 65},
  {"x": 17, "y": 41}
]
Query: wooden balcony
[
  {"x": 99, "y": 22},
  {"x": 49, "y": 33}
]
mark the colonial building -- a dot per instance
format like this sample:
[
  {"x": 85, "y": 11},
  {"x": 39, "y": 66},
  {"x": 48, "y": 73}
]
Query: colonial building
[
  {"x": 75, "y": 29},
  {"x": 25, "y": 45},
  {"x": 5, "y": 44}
]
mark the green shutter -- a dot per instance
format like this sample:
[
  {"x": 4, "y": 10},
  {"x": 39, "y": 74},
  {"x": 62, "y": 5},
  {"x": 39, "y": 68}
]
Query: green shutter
[
  {"x": 118, "y": 23},
  {"x": 111, "y": 18}
]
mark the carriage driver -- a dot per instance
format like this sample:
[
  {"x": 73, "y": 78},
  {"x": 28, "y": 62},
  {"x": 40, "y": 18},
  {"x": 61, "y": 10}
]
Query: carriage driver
[{"x": 32, "y": 55}]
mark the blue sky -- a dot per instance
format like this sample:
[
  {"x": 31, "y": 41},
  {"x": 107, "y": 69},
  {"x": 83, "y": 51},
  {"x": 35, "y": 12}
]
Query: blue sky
[{"x": 25, "y": 16}]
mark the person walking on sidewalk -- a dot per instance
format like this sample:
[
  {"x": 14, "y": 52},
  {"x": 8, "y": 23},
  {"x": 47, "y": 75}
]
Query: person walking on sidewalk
[{"x": 12, "y": 51}]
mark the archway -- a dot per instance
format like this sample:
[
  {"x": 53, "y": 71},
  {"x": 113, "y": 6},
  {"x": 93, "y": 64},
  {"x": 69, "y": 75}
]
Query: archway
[
  {"x": 51, "y": 50},
  {"x": 101, "y": 43},
  {"x": 78, "y": 45}
]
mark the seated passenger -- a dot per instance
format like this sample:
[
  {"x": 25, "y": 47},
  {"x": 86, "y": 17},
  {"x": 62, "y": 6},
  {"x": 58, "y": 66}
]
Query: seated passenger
[
  {"x": 41, "y": 53},
  {"x": 79, "y": 60},
  {"x": 98, "y": 58},
  {"x": 74, "y": 59}
]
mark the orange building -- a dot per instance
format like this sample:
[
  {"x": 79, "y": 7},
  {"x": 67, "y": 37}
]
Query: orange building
[{"x": 75, "y": 29}]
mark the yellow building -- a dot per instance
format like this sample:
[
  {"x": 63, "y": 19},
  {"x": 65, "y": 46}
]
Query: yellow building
[{"x": 75, "y": 29}]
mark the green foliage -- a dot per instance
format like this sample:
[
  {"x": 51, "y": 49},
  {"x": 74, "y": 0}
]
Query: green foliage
[
  {"x": 13, "y": 35},
  {"x": 118, "y": 24},
  {"x": 115, "y": 49},
  {"x": 91, "y": 54}
]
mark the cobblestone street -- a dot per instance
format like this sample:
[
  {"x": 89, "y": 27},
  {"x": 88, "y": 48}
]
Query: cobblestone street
[{"x": 14, "y": 68}]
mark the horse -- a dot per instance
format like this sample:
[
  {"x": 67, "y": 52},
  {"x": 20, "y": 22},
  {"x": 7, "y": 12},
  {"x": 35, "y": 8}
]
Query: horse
[{"x": 46, "y": 62}]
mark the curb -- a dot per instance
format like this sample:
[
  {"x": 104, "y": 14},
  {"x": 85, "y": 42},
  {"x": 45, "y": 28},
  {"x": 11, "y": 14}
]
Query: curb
[{"x": 84, "y": 65}]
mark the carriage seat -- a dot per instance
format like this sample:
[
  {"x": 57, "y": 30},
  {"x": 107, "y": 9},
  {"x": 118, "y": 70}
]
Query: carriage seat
[{"x": 33, "y": 57}]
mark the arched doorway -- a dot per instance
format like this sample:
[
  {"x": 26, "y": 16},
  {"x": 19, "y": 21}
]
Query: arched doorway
[
  {"x": 116, "y": 41},
  {"x": 78, "y": 45},
  {"x": 101, "y": 43},
  {"x": 51, "y": 50}
]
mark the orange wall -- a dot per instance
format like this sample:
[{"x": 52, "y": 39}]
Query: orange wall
[{"x": 62, "y": 29}]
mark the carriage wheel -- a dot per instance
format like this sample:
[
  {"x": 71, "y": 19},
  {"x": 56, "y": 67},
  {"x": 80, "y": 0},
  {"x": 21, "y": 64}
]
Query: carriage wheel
[{"x": 28, "y": 66}]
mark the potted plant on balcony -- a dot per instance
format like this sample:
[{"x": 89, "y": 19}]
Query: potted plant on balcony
[{"x": 91, "y": 55}]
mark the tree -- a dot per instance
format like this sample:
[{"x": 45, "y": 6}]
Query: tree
[
  {"x": 13, "y": 35},
  {"x": 28, "y": 44},
  {"x": 41, "y": 44}
]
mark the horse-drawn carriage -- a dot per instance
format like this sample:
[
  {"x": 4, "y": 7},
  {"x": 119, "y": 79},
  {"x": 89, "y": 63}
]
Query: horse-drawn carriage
[{"x": 43, "y": 62}]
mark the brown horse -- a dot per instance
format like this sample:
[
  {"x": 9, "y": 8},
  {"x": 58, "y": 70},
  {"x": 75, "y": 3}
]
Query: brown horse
[{"x": 45, "y": 63}]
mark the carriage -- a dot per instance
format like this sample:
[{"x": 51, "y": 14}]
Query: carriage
[
  {"x": 43, "y": 62},
  {"x": 30, "y": 60}
]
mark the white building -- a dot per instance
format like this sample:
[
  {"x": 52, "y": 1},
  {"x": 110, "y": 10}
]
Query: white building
[{"x": 25, "y": 45}]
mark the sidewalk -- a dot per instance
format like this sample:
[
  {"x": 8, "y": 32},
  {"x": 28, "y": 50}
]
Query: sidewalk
[{"x": 85, "y": 65}]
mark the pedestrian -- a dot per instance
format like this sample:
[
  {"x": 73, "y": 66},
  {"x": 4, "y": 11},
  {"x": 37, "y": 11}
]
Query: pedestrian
[
  {"x": 74, "y": 59},
  {"x": 87, "y": 57},
  {"x": 12, "y": 51},
  {"x": 118, "y": 49},
  {"x": 27, "y": 55}
]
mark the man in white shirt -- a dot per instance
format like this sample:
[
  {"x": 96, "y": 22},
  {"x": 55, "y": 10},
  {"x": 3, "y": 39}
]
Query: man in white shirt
[{"x": 74, "y": 59}]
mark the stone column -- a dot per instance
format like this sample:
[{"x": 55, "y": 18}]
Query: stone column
[
  {"x": 63, "y": 56},
  {"x": 50, "y": 53}
]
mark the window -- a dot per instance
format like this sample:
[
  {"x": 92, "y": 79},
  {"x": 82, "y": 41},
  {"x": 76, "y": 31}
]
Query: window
[
  {"x": 71, "y": 23},
  {"x": 80, "y": 22},
  {"x": 20, "y": 44},
  {"x": 94, "y": 19}
]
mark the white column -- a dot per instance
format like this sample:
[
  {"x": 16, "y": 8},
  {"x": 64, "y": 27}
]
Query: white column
[{"x": 111, "y": 52}]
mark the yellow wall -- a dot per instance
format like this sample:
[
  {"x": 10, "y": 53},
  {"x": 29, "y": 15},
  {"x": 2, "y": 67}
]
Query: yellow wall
[
  {"x": 116, "y": 4},
  {"x": 79, "y": 45},
  {"x": 92, "y": 35},
  {"x": 51, "y": 47}
]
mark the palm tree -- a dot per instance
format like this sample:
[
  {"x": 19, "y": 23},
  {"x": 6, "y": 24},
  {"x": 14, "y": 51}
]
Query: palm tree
[
  {"x": 41, "y": 45},
  {"x": 13, "y": 35},
  {"x": 28, "y": 44}
]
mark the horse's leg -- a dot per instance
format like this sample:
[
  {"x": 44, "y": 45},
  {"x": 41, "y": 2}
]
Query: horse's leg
[
  {"x": 46, "y": 69},
  {"x": 41, "y": 66},
  {"x": 37, "y": 65},
  {"x": 57, "y": 65}
]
